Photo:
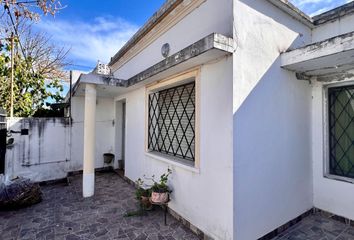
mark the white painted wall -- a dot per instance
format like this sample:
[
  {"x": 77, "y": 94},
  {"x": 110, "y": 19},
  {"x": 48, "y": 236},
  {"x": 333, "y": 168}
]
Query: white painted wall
[
  {"x": 212, "y": 16},
  {"x": 105, "y": 131},
  {"x": 272, "y": 154},
  {"x": 54, "y": 147},
  {"x": 44, "y": 153},
  {"x": 334, "y": 28},
  {"x": 205, "y": 198},
  {"x": 330, "y": 195}
]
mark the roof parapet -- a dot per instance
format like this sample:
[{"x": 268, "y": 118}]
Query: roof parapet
[
  {"x": 284, "y": 5},
  {"x": 334, "y": 14},
  {"x": 317, "y": 20},
  {"x": 158, "y": 16},
  {"x": 293, "y": 11}
]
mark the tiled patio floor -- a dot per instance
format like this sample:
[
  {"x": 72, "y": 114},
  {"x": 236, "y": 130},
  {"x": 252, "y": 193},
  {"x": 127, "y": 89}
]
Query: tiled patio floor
[
  {"x": 64, "y": 214},
  {"x": 317, "y": 227}
]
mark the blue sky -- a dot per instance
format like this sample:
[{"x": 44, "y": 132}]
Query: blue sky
[
  {"x": 95, "y": 30},
  {"x": 315, "y": 7}
]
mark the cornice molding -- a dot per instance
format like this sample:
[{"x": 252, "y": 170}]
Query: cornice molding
[{"x": 175, "y": 16}]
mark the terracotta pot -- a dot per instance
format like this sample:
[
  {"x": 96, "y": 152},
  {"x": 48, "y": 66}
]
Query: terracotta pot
[{"x": 159, "y": 197}]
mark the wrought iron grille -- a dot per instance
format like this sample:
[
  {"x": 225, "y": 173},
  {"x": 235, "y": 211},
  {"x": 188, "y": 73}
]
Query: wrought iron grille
[
  {"x": 341, "y": 131},
  {"x": 171, "y": 121}
]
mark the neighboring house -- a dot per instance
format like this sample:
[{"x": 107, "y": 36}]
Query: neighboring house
[{"x": 250, "y": 103}]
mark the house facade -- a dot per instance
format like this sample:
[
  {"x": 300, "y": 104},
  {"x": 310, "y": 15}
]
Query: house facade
[
  {"x": 250, "y": 103},
  {"x": 248, "y": 142}
]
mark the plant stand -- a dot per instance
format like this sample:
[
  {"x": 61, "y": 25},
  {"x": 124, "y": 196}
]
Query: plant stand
[{"x": 164, "y": 206}]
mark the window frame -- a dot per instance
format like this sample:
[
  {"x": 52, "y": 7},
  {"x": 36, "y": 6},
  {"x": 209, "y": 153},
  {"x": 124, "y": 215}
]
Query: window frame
[
  {"x": 192, "y": 75},
  {"x": 326, "y": 143}
]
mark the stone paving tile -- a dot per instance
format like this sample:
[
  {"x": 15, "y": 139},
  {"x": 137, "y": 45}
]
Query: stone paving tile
[
  {"x": 65, "y": 215},
  {"x": 317, "y": 227}
]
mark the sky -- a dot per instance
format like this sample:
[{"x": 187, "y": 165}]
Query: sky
[
  {"x": 95, "y": 30},
  {"x": 315, "y": 7}
]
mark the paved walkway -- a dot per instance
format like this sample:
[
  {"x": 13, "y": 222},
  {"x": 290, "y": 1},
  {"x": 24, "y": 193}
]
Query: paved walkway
[
  {"x": 64, "y": 214},
  {"x": 317, "y": 227}
]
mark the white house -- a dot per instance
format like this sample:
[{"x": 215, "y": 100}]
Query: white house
[{"x": 249, "y": 102}]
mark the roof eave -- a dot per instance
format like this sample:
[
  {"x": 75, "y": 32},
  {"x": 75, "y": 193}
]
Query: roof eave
[
  {"x": 293, "y": 11},
  {"x": 216, "y": 45},
  {"x": 334, "y": 14},
  {"x": 166, "y": 8}
]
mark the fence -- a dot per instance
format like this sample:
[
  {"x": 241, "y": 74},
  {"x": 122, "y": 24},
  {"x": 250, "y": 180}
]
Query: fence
[
  {"x": 2, "y": 118},
  {"x": 41, "y": 148},
  {"x": 2, "y": 140}
]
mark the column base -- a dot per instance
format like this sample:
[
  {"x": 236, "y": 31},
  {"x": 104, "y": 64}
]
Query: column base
[{"x": 88, "y": 184}]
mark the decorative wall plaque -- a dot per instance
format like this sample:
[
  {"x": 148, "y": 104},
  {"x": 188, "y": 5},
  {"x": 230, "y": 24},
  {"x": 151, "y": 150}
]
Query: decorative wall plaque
[{"x": 165, "y": 50}]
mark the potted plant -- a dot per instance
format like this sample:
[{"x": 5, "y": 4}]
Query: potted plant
[
  {"x": 160, "y": 190},
  {"x": 143, "y": 195}
]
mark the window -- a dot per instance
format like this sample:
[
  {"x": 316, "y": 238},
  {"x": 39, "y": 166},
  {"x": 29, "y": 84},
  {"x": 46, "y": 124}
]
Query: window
[
  {"x": 341, "y": 131},
  {"x": 171, "y": 121}
]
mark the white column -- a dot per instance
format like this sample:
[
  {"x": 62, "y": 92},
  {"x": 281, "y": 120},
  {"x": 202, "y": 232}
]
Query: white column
[{"x": 88, "y": 184}]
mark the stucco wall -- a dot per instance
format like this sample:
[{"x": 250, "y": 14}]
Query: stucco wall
[
  {"x": 41, "y": 155},
  {"x": 105, "y": 131},
  {"x": 333, "y": 28},
  {"x": 330, "y": 195},
  {"x": 272, "y": 154},
  {"x": 54, "y": 147},
  {"x": 204, "y": 198},
  {"x": 213, "y": 16}
]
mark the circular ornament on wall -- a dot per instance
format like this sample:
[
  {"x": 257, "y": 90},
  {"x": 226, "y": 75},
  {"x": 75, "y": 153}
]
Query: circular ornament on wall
[{"x": 165, "y": 50}]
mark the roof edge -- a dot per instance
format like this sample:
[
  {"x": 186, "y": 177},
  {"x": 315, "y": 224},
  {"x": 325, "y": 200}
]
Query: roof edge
[
  {"x": 158, "y": 16},
  {"x": 213, "y": 41},
  {"x": 293, "y": 11},
  {"x": 283, "y": 5},
  {"x": 334, "y": 14}
]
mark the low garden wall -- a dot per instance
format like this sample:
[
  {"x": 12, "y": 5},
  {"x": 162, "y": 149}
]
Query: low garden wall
[{"x": 41, "y": 148}]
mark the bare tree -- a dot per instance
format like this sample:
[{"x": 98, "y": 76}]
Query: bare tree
[
  {"x": 48, "y": 59},
  {"x": 34, "y": 61},
  {"x": 30, "y": 9}
]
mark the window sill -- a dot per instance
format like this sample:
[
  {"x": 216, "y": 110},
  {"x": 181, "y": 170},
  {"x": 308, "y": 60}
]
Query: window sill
[
  {"x": 172, "y": 161},
  {"x": 339, "y": 178}
]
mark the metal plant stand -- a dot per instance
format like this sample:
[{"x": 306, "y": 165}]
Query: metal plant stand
[{"x": 164, "y": 206}]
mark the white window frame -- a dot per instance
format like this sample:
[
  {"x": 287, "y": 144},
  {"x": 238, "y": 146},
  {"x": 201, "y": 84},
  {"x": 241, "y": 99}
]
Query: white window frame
[
  {"x": 176, "y": 80},
  {"x": 326, "y": 164}
]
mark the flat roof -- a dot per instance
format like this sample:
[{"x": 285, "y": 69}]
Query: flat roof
[
  {"x": 284, "y": 5},
  {"x": 334, "y": 14},
  {"x": 158, "y": 16}
]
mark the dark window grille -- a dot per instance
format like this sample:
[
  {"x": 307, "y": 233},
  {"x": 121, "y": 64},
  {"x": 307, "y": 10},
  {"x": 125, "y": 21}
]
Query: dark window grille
[
  {"x": 341, "y": 131},
  {"x": 171, "y": 121}
]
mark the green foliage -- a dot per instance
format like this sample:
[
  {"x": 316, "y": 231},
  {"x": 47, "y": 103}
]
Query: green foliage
[
  {"x": 31, "y": 90},
  {"x": 141, "y": 191},
  {"x": 136, "y": 213},
  {"x": 50, "y": 112},
  {"x": 161, "y": 185}
]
